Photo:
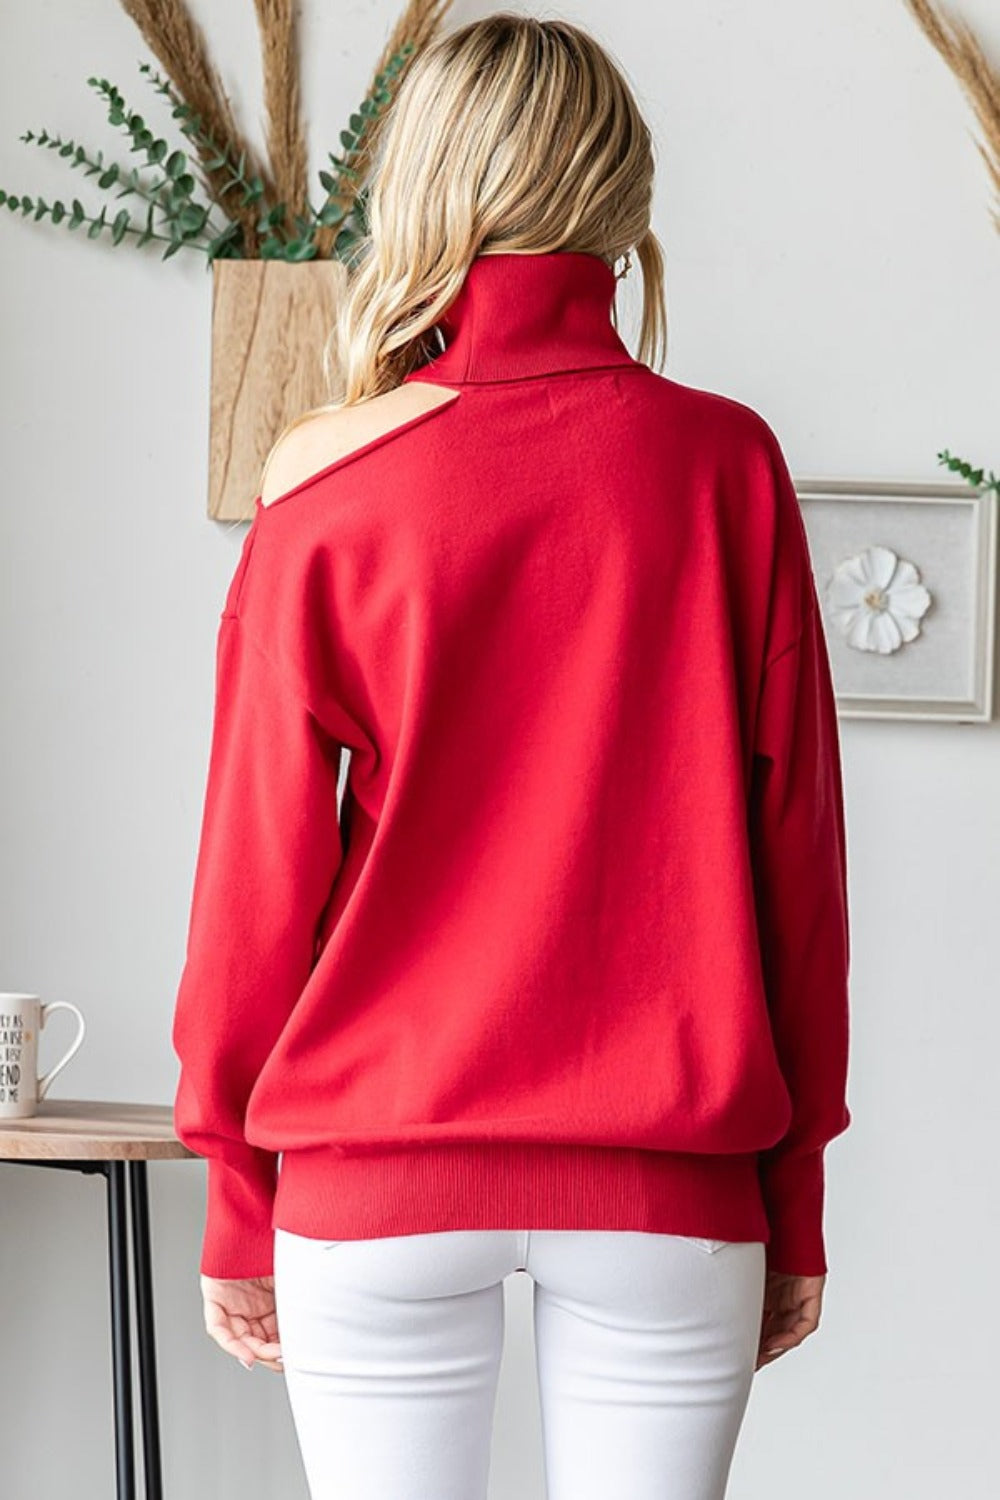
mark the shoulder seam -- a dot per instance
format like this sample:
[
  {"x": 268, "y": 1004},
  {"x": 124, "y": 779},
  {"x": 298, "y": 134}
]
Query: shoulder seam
[{"x": 294, "y": 687}]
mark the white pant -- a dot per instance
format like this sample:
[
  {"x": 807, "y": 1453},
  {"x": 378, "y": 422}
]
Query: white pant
[{"x": 645, "y": 1347}]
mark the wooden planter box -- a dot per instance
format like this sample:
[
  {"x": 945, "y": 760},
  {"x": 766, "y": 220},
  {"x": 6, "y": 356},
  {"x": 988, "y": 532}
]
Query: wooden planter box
[{"x": 270, "y": 320}]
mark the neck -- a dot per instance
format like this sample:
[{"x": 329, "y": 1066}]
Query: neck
[{"x": 522, "y": 315}]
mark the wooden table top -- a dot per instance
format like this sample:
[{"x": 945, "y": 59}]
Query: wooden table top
[{"x": 93, "y": 1130}]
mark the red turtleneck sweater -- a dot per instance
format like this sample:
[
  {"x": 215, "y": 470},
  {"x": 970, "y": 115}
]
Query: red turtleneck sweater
[{"x": 573, "y": 950}]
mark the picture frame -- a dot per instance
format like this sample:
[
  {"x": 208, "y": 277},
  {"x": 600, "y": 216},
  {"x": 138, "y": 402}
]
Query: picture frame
[{"x": 922, "y": 647}]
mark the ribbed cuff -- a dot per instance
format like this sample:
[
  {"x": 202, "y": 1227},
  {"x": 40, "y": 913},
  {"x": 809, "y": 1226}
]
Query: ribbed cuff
[
  {"x": 239, "y": 1241},
  {"x": 793, "y": 1189}
]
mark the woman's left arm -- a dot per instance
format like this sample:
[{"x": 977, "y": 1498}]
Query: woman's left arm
[{"x": 269, "y": 851}]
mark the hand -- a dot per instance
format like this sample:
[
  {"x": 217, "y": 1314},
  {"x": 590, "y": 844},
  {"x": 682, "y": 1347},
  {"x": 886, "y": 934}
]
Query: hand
[
  {"x": 240, "y": 1316},
  {"x": 791, "y": 1313}
]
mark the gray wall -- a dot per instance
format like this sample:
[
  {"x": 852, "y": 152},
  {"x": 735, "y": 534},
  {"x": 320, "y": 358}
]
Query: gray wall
[{"x": 831, "y": 262}]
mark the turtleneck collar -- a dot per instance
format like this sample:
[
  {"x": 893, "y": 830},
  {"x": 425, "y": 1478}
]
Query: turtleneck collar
[{"x": 520, "y": 315}]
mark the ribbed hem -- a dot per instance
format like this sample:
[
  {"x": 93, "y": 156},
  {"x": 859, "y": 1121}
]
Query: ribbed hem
[{"x": 325, "y": 1193}]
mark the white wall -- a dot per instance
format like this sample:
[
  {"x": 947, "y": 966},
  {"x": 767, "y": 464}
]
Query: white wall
[{"x": 831, "y": 261}]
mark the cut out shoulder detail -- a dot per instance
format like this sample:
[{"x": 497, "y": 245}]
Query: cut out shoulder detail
[{"x": 343, "y": 433}]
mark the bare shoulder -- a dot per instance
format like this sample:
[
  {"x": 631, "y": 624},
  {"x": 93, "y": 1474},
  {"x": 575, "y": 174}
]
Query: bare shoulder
[{"x": 331, "y": 435}]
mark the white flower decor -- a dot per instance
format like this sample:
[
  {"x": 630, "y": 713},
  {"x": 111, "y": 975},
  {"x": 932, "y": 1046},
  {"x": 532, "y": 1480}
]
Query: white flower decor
[{"x": 876, "y": 601}]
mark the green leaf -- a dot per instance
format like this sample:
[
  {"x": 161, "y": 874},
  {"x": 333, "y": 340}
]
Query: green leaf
[
  {"x": 231, "y": 232},
  {"x": 191, "y": 219},
  {"x": 332, "y": 213},
  {"x": 110, "y": 177},
  {"x": 119, "y": 227},
  {"x": 147, "y": 233},
  {"x": 175, "y": 164}
]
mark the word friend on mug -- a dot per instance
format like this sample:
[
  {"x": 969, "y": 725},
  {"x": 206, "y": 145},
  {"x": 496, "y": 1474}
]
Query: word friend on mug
[{"x": 22, "y": 1018}]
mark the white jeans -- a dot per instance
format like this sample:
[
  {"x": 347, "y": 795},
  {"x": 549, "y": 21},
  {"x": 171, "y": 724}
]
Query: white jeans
[{"x": 645, "y": 1346}]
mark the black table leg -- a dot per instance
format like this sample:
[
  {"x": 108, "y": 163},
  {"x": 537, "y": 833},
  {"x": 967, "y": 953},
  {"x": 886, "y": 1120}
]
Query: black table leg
[
  {"x": 145, "y": 1332},
  {"x": 119, "y": 1185},
  {"x": 121, "y": 1346}
]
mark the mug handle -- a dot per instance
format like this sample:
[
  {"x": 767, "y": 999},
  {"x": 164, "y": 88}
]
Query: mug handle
[{"x": 47, "y": 1007}]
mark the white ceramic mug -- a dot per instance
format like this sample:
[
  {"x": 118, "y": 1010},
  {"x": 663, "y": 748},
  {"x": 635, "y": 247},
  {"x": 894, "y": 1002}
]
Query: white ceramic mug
[{"x": 22, "y": 1018}]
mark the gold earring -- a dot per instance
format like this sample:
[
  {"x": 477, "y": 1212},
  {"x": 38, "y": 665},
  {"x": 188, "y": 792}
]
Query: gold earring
[{"x": 628, "y": 266}]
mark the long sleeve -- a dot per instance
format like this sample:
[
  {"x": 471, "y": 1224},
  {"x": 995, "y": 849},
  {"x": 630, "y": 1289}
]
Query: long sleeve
[
  {"x": 269, "y": 851},
  {"x": 800, "y": 872}
]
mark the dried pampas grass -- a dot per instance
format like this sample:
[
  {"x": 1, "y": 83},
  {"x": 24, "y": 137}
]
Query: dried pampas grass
[
  {"x": 179, "y": 44},
  {"x": 286, "y": 135},
  {"x": 958, "y": 45}
]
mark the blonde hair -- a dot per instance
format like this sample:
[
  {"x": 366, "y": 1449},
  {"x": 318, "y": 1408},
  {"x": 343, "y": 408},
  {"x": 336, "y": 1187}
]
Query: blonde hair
[{"x": 509, "y": 133}]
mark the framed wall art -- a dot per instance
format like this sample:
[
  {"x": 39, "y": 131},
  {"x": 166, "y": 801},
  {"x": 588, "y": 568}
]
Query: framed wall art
[{"x": 906, "y": 579}]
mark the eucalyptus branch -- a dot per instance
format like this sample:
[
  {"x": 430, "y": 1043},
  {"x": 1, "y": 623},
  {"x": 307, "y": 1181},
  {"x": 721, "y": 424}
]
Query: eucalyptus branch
[
  {"x": 57, "y": 212},
  {"x": 110, "y": 175},
  {"x": 219, "y": 154},
  {"x": 975, "y": 477},
  {"x": 175, "y": 205},
  {"x": 344, "y": 197},
  {"x": 178, "y": 180},
  {"x": 253, "y": 223}
]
